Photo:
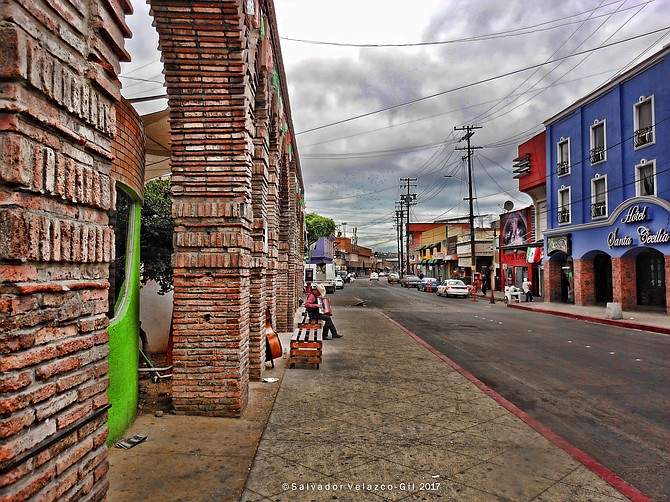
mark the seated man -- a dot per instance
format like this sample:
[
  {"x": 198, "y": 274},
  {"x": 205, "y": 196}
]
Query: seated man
[{"x": 312, "y": 307}]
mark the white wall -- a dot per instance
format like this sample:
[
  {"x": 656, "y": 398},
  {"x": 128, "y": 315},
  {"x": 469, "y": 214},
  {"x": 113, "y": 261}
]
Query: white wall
[{"x": 156, "y": 316}]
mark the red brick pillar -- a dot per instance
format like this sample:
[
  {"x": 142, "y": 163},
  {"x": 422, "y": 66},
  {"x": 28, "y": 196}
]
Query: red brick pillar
[
  {"x": 204, "y": 48},
  {"x": 552, "y": 281},
  {"x": 291, "y": 245},
  {"x": 56, "y": 129},
  {"x": 259, "y": 304},
  {"x": 624, "y": 285},
  {"x": 585, "y": 288}
]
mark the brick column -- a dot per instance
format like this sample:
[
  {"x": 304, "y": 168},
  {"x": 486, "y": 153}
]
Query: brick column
[
  {"x": 260, "y": 188},
  {"x": 56, "y": 129},
  {"x": 585, "y": 288},
  {"x": 624, "y": 285},
  {"x": 552, "y": 281},
  {"x": 204, "y": 47}
]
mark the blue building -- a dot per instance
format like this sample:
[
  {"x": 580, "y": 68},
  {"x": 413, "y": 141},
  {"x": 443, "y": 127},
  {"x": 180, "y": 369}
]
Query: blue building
[{"x": 608, "y": 192}]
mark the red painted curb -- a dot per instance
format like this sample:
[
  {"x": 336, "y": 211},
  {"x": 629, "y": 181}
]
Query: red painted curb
[
  {"x": 582, "y": 317},
  {"x": 593, "y": 465}
]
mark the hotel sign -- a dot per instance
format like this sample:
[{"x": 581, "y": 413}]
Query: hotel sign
[{"x": 645, "y": 235}]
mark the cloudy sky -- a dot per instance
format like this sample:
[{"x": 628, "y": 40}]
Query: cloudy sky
[{"x": 377, "y": 88}]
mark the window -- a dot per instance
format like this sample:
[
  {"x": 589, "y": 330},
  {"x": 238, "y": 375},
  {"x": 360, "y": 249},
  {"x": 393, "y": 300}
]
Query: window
[
  {"x": 599, "y": 197},
  {"x": 564, "y": 205},
  {"x": 598, "y": 149},
  {"x": 563, "y": 161},
  {"x": 644, "y": 122},
  {"x": 645, "y": 178}
]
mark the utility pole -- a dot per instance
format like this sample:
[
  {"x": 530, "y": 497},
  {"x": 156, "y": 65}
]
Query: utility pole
[
  {"x": 400, "y": 214},
  {"x": 408, "y": 199},
  {"x": 399, "y": 222},
  {"x": 469, "y": 132}
]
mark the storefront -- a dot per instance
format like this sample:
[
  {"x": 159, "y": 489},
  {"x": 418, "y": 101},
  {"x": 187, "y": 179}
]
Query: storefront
[
  {"x": 518, "y": 258},
  {"x": 624, "y": 258}
]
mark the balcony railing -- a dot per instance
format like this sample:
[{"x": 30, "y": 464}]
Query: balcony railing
[
  {"x": 597, "y": 154},
  {"x": 563, "y": 168},
  {"x": 643, "y": 136},
  {"x": 598, "y": 209},
  {"x": 563, "y": 215}
]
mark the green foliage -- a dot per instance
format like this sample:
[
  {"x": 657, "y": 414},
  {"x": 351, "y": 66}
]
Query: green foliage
[
  {"x": 318, "y": 226},
  {"x": 157, "y": 229}
]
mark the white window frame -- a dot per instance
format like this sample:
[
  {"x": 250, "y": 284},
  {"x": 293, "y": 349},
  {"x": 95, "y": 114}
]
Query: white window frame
[
  {"x": 636, "y": 121},
  {"x": 597, "y": 124},
  {"x": 594, "y": 201},
  {"x": 559, "y": 158},
  {"x": 561, "y": 206},
  {"x": 645, "y": 164}
]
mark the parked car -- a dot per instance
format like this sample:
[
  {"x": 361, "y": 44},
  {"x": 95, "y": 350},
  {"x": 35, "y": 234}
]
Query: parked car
[
  {"x": 410, "y": 281},
  {"x": 382, "y": 274},
  {"x": 339, "y": 282},
  {"x": 393, "y": 277},
  {"x": 429, "y": 284},
  {"x": 453, "y": 287},
  {"x": 374, "y": 276}
]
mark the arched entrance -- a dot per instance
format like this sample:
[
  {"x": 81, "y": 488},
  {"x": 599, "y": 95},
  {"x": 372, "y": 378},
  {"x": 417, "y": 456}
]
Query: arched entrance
[
  {"x": 567, "y": 280},
  {"x": 650, "y": 273},
  {"x": 602, "y": 268}
]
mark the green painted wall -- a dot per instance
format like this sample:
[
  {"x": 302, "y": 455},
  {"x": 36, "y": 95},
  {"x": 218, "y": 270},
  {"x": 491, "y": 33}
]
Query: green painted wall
[{"x": 124, "y": 338}]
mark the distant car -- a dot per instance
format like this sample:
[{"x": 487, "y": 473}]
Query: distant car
[
  {"x": 453, "y": 287},
  {"x": 382, "y": 274},
  {"x": 344, "y": 275},
  {"x": 429, "y": 284},
  {"x": 410, "y": 281},
  {"x": 393, "y": 277},
  {"x": 374, "y": 276},
  {"x": 339, "y": 282}
]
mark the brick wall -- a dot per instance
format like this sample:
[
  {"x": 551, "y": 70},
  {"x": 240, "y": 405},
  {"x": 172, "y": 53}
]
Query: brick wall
[
  {"x": 552, "y": 281},
  {"x": 56, "y": 186},
  {"x": 585, "y": 287},
  {"x": 624, "y": 284}
]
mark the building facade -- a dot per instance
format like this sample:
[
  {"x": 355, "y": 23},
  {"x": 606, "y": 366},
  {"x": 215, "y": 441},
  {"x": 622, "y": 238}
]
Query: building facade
[{"x": 608, "y": 204}]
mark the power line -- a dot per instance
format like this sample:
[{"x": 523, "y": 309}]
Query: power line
[{"x": 491, "y": 36}]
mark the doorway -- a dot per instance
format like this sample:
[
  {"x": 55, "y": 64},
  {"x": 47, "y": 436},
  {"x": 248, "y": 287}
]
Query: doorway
[
  {"x": 602, "y": 268},
  {"x": 650, "y": 272}
]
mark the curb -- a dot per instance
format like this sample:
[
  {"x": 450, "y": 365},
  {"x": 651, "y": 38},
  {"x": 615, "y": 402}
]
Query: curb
[{"x": 583, "y": 317}]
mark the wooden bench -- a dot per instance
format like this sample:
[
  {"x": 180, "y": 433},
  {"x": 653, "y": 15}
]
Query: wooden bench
[{"x": 306, "y": 343}]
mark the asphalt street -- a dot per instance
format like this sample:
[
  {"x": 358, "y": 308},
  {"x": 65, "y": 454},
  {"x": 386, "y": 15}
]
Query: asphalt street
[{"x": 604, "y": 389}]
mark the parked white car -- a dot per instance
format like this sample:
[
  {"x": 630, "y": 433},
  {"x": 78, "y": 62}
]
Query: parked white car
[
  {"x": 374, "y": 276},
  {"x": 339, "y": 282},
  {"x": 452, "y": 287}
]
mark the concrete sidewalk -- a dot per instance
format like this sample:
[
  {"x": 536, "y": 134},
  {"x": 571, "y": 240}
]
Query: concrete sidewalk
[{"x": 384, "y": 418}]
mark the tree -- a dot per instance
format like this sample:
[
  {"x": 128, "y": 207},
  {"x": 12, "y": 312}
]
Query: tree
[
  {"x": 318, "y": 226},
  {"x": 157, "y": 228}
]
